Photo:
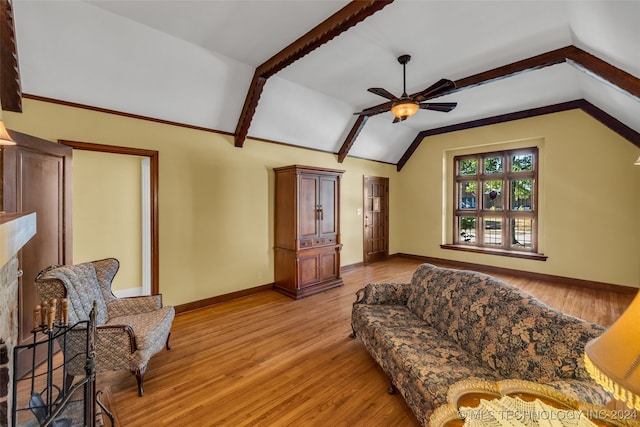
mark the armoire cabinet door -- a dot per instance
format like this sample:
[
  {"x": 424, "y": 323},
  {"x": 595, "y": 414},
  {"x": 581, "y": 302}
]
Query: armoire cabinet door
[
  {"x": 329, "y": 264},
  {"x": 328, "y": 202},
  {"x": 308, "y": 203},
  {"x": 308, "y": 270}
]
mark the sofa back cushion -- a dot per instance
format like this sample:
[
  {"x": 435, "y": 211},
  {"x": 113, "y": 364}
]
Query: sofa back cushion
[{"x": 503, "y": 327}]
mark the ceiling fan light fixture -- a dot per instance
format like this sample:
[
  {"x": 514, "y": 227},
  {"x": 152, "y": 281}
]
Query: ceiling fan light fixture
[{"x": 404, "y": 109}]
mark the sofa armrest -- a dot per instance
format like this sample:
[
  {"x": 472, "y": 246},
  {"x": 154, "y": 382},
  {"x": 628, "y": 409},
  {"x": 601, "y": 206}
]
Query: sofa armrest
[
  {"x": 583, "y": 391},
  {"x": 383, "y": 293},
  {"x": 133, "y": 305}
]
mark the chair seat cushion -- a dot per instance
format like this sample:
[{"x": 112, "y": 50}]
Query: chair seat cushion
[{"x": 150, "y": 329}]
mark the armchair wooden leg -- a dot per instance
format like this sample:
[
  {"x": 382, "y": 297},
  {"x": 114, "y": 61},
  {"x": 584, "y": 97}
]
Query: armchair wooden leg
[
  {"x": 139, "y": 378},
  {"x": 68, "y": 382},
  {"x": 167, "y": 343}
]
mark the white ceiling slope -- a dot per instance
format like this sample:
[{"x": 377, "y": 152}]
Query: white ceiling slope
[{"x": 192, "y": 62}]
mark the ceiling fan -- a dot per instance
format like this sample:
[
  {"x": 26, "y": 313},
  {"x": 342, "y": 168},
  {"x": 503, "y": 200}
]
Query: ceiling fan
[{"x": 407, "y": 106}]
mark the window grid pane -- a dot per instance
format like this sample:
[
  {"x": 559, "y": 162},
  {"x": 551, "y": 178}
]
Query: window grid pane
[
  {"x": 493, "y": 165},
  {"x": 493, "y": 231},
  {"x": 467, "y": 227},
  {"x": 468, "y": 167},
  {"x": 522, "y": 195},
  {"x": 492, "y": 191},
  {"x": 521, "y": 233},
  {"x": 522, "y": 162},
  {"x": 467, "y": 195}
]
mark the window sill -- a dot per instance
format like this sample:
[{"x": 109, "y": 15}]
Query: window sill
[{"x": 499, "y": 252}]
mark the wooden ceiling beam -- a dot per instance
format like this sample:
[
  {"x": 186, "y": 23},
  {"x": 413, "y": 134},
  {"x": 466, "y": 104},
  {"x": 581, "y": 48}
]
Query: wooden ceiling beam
[
  {"x": 10, "y": 91},
  {"x": 605, "y": 72},
  {"x": 350, "y": 15},
  {"x": 351, "y": 138}
]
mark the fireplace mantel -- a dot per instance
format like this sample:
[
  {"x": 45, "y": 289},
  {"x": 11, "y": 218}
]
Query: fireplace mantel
[{"x": 15, "y": 230}]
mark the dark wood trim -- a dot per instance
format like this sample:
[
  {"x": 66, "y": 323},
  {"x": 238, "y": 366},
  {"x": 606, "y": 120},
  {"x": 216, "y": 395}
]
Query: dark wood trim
[
  {"x": 122, "y": 114},
  {"x": 488, "y": 269},
  {"x": 350, "y": 15},
  {"x": 351, "y": 138},
  {"x": 500, "y": 252},
  {"x": 154, "y": 188},
  {"x": 203, "y": 303},
  {"x": 533, "y": 63},
  {"x": 604, "y": 118},
  {"x": 10, "y": 90},
  {"x": 113, "y": 149},
  {"x": 349, "y": 267},
  {"x": 612, "y": 123}
]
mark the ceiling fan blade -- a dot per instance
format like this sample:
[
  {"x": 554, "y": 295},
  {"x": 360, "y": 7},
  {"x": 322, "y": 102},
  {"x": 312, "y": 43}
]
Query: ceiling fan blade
[
  {"x": 382, "y": 92},
  {"x": 436, "y": 89},
  {"x": 373, "y": 111},
  {"x": 445, "y": 107}
]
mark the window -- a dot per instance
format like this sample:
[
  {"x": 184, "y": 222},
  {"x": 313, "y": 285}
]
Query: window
[{"x": 495, "y": 200}]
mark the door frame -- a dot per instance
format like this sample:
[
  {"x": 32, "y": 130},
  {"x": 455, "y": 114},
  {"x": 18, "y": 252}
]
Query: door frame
[
  {"x": 153, "y": 198},
  {"x": 384, "y": 207}
]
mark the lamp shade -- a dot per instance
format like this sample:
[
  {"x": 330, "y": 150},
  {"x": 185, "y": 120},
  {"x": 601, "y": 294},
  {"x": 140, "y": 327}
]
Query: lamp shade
[
  {"x": 613, "y": 359},
  {"x": 404, "y": 109},
  {"x": 637, "y": 163},
  {"x": 5, "y": 138}
]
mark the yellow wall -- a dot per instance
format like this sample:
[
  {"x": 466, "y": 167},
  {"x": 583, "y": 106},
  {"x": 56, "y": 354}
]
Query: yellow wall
[
  {"x": 589, "y": 203},
  {"x": 216, "y": 200},
  {"x": 107, "y": 218}
]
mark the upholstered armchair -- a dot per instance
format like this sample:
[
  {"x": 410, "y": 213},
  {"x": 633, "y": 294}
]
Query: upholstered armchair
[{"x": 129, "y": 330}]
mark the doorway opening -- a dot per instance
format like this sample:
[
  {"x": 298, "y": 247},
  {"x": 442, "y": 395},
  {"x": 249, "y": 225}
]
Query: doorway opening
[{"x": 149, "y": 232}]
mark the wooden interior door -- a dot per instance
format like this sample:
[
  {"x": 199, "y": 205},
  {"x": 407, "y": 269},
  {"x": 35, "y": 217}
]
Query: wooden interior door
[
  {"x": 376, "y": 219},
  {"x": 37, "y": 178}
]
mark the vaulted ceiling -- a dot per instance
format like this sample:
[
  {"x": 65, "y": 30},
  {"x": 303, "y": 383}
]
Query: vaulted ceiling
[{"x": 295, "y": 72}]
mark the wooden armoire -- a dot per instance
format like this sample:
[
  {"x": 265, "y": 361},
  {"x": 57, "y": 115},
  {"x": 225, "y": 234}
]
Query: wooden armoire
[{"x": 307, "y": 230}]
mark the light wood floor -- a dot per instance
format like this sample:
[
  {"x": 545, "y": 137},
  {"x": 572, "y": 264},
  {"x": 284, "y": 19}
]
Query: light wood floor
[{"x": 267, "y": 360}]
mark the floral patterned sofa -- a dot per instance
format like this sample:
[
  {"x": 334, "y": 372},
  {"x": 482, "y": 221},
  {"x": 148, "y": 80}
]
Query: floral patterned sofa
[{"x": 450, "y": 325}]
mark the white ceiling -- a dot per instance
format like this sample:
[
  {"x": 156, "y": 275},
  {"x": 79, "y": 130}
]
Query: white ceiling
[{"x": 192, "y": 62}]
